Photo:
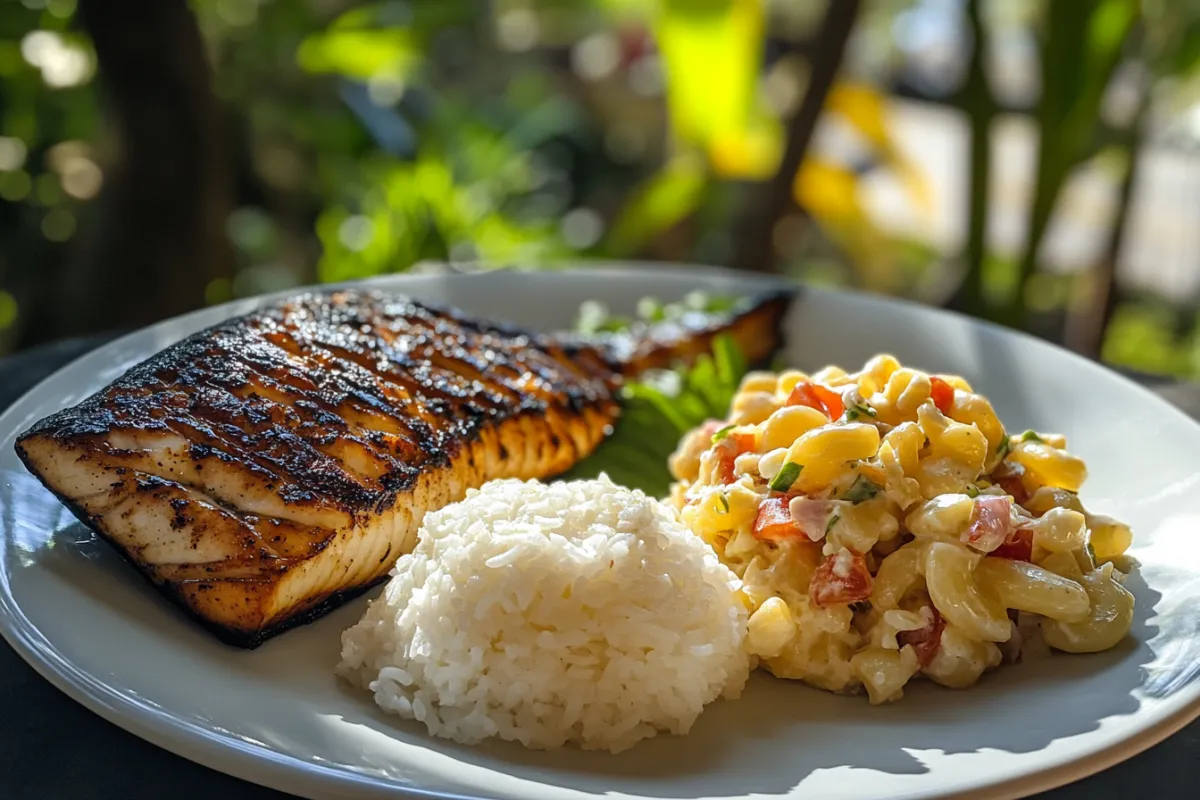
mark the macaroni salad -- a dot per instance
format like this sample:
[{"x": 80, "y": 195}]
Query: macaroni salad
[{"x": 886, "y": 526}]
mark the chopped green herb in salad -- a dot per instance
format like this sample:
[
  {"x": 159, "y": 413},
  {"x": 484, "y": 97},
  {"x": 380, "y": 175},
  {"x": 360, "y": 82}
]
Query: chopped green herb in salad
[
  {"x": 861, "y": 490},
  {"x": 786, "y": 476},
  {"x": 859, "y": 411},
  {"x": 721, "y": 434}
]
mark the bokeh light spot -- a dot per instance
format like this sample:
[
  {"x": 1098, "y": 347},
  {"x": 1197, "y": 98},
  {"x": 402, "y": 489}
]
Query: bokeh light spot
[
  {"x": 646, "y": 76},
  {"x": 385, "y": 91},
  {"x": 62, "y": 63},
  {"x": 81, "y": 178},
  {"x": 596, "y": 57},
  {"x": 15, "y": 186},
  {"x": 784, "y": 85},
  {"x": 12, "y": 153},
  {"x": 517, "y": 30},
  {"x": 237, "y": 12},
  {"x": 581, "y": 228},
  {"x": 252, "y": 231},
  {"x": 36, "y": 45},
  {"x": 356, "y": 233},
  {"x": 58, "y": 225},
  {"x": 63, "y": 9}
]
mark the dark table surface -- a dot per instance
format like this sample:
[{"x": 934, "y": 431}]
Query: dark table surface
[{"x": 53, "y": 749}]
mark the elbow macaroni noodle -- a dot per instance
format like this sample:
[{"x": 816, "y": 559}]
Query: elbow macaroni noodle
[{"x": 887, "y": 527}]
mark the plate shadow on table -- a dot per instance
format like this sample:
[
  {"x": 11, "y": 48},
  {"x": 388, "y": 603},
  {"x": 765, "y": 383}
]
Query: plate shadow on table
[{"x": 790, "y": 724}]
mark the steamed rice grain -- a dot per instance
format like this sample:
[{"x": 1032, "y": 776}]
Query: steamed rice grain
[{"x": 577, "y": 612}]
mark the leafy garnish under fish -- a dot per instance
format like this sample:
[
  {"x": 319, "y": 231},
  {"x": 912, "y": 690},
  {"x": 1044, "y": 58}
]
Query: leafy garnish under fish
[{"x": 657, "y": 411}]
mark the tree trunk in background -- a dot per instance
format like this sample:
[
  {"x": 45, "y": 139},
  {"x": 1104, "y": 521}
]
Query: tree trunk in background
[
  {"x": 755, "y": 246},
  {"x": 977, "y": 101},
  {"x": 167, "y": 199}
]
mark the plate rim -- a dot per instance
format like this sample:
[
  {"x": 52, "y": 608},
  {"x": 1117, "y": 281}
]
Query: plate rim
[{"x": 265, "y": 767}]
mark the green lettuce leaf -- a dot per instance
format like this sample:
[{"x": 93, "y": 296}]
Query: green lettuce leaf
[{"x": 657, "y": 411}]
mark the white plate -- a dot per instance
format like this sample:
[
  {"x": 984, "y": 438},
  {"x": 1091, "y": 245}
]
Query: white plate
[{"x": 279, "y": 717}]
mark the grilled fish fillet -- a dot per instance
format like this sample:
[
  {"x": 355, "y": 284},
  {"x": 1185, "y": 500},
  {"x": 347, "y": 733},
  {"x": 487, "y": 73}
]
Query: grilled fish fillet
[{"x": 264, "y": 470}]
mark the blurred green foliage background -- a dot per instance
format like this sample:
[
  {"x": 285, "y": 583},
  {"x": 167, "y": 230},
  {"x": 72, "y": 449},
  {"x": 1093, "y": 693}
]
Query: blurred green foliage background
[{"x": 1030, "y": 162}]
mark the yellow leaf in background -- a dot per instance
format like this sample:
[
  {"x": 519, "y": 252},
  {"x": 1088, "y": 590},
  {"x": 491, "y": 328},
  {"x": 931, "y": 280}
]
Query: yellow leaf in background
[
  {"x": 750, "y": 154},
  {"x": 712, "y": 52},
  {"x": 829, "y": 193},
  {"x": 865, "y": 109},
  {"x": 387, "y": 53}
]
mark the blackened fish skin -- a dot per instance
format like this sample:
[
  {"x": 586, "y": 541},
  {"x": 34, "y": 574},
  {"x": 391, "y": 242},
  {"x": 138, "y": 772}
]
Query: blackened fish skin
[{"x": 264, "y": 470}]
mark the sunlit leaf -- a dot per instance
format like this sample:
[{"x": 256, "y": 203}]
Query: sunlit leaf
[
  {"x": 751, "y": 153},
  {"x": 665, "y": 199},
  {"x": 387, "y": 53},
  {"x": 864, "y": 108},
  {"x": 1109, "y": 25},
  {"x": 712, "y": 51},
  {"x": 447, "y": 203},
  {"x": 828, "y": 192},
  {"x": 1141, "y": 336},
  {"x": 656, "y": 414}
]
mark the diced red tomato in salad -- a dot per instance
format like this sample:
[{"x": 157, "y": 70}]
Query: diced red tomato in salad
[
  {"x": 1018, "y": 547},
  {"x": 990, "y": 523},
  {"x": 741, "y": 442},
  {"x": 942, "y": 394},
  {"x": 822, "y": 398},
  {"x": 925, "y": 641},
  {"x": 729, "y": 449},
  {"x": 842, "y": 578},
  {"x": 774, "y": 522},
  {"x": 725, "y": 473}
]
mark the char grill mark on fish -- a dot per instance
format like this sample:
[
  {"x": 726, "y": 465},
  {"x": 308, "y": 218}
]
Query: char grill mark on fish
[
  {"x": 261, "y": 468},
  {"x": 262, "y": 471}
]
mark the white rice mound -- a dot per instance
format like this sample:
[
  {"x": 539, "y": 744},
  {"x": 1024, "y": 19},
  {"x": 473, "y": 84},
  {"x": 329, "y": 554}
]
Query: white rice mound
[{"x": 579, "y": 612}]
